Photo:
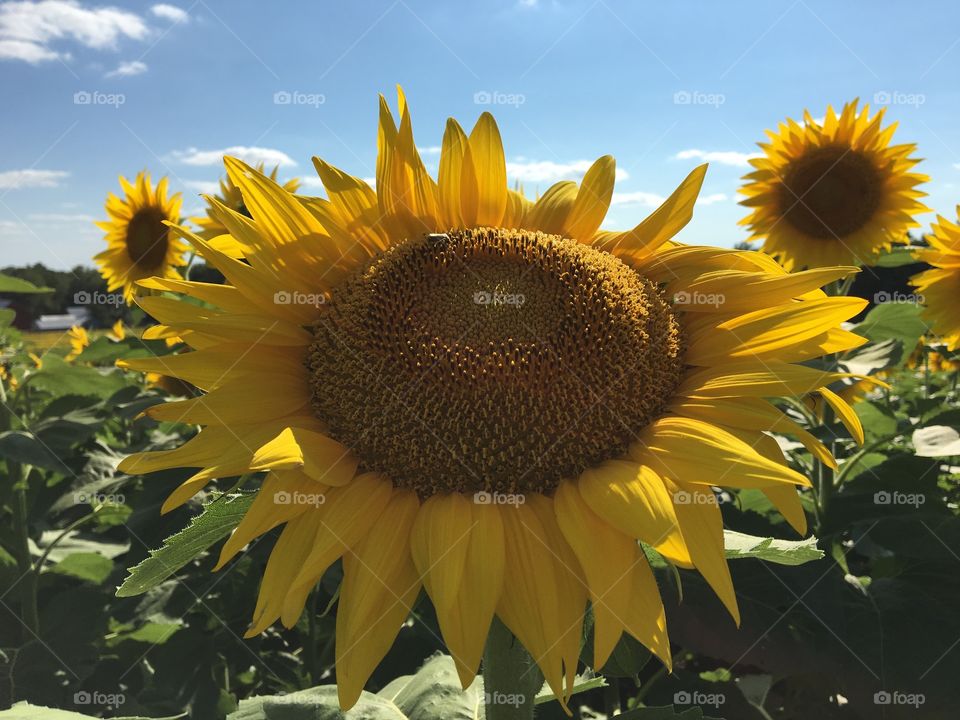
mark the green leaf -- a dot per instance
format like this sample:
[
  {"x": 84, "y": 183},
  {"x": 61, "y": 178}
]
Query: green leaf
[
  {"x": 581, "y": 683},
  {"x": 782, "y": 552},
  {"x": 875, "y": 356},
  {"x": 59, "y": 377},
  {"x": 26, "y": 711},
  {"x": 877, "y": 421},
  {"x": 214, "y": 524},
  {"x": 26, "y": 449},
  {"x": 91, "y": 567},
  {"x": 10, "y": 284},
  {"x": 434, "y": 693},
  {"x": 897, "y": 257},
  {"x": 936, "y": 441},
  {"x": 319, "y": 703},
  {"x": 663, "y": 713},
  {"x": 7, "y": 316},
  {"x": 899, "y": 321}
]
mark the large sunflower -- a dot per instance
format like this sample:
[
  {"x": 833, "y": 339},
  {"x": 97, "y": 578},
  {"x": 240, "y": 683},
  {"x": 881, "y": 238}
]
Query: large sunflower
[
  {"x": 230, "y": 196},
  {"x": 139, "y": 243},
  {"x": 832, "y": 193},
  {"x": 451, "y": 386},
  {"x": 940, "y": 286}
]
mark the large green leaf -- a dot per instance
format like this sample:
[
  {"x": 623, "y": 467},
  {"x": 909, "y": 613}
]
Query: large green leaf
[
  {"x": 26, "y": 449},
  {"x": 59, "y": 377},
  {"x": 26, "y": 711},
  {"x": 783, "y": 552},
  {"x": 10, "y": 284},
  {"x": 900, "y": 321},
  {"x": 434, "y": 693},
  {"x": 214, "y": 524},
  {"x": 319, "y": 703},
  {"x": 666, "y": 712}
]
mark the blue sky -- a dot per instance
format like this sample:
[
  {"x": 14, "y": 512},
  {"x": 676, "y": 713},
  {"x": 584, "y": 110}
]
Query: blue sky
[{"x": 91, "y": 90}]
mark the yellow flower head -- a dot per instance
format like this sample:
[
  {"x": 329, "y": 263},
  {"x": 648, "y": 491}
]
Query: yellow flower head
[
  {"x": 832, "y": 193},
  {"x": 117, "y": 332},
  {"x": 461, "y": 389},
  {"x": 940, "y": 286},
  {"x": 79, "y": 339},
  {"x": 139, "y": 244}
]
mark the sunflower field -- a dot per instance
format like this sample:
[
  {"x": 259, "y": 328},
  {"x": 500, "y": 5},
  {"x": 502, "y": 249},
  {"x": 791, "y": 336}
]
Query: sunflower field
[{"x": 435, "y": 447}]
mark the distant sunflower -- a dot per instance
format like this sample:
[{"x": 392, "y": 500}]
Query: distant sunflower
[
  {"x": 462, "y": 389},
  {"x": 79, "y": 339},
  {"x": 139, "y": 244},
  {"x": 231, "y": 197},
  {"x": 940, "y": 286},
  {"x": 832, "y": 193},
  {"x": 117, "y": 332}
]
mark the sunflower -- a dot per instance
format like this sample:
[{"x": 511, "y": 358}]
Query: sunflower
[
  {"x": 940, "y": 286},
  {"x": 117, "y": 332},
  {"x": 832, "y": 193},
  {"x": 79, "y": 339},
  {"x": 139, "y": 243},
  {"x": 461, "y": 389},
  {"x": 230, "y": 196}
]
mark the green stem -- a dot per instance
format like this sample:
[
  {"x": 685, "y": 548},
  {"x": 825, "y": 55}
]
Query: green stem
[
  {"x": 511, "y": 679},
  {"x": 313, "y": 666},
  {"x": 28, "y": 583}
]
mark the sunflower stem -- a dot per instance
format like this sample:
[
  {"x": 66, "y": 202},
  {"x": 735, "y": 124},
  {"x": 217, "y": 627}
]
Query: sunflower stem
[{"x": 511, "y": 678}]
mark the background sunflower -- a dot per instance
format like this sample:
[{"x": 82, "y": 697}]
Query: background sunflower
[
  {"x": 834, "y": 192},
  {"x": 139, "y": 243},
  {"x": 940, "y": 286}
]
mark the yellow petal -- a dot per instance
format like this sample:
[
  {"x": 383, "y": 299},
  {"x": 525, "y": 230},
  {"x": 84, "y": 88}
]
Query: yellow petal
[
  {"x": 593, "y": 200},
  {"x": 484, "y": 176}
]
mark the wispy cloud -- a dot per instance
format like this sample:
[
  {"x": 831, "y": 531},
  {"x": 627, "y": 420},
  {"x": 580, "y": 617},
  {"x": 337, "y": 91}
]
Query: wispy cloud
[
  {"x": 721, "y": 157},
  {"x": 641, "y": 198},
  {"x": 546, "y": 171},
  {"x": 249, "y": 154},
  {"x": 432, "y": 150},
  {"x": 126, "y": 69},
  {"x": 207, "y": 187},
  {"x": 712, "y": 199},
  {"x": 20, "y": 179},
  {"x": 61, "y": 217},
  {"x": 29, "y": 29},
  {"x": 170, "y": 12}
]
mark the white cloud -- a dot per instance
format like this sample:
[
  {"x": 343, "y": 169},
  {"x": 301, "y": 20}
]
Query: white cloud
[
  {"x": 645, "y": 199},
  {"x": 170, "y": 12},
  {"x": 250, "y": 155},
  {"x": 432, "y": 150},
  {"x": 711, "y": 199},
  {"x": 28, "y": 28},
  {"x": 546, "y": 171},
  {"x": 20, "y": 179},
  {"x": 60, "y": 217},
  {"x": 126, "y": 69},
  {"x": 721, "y": 157}
]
